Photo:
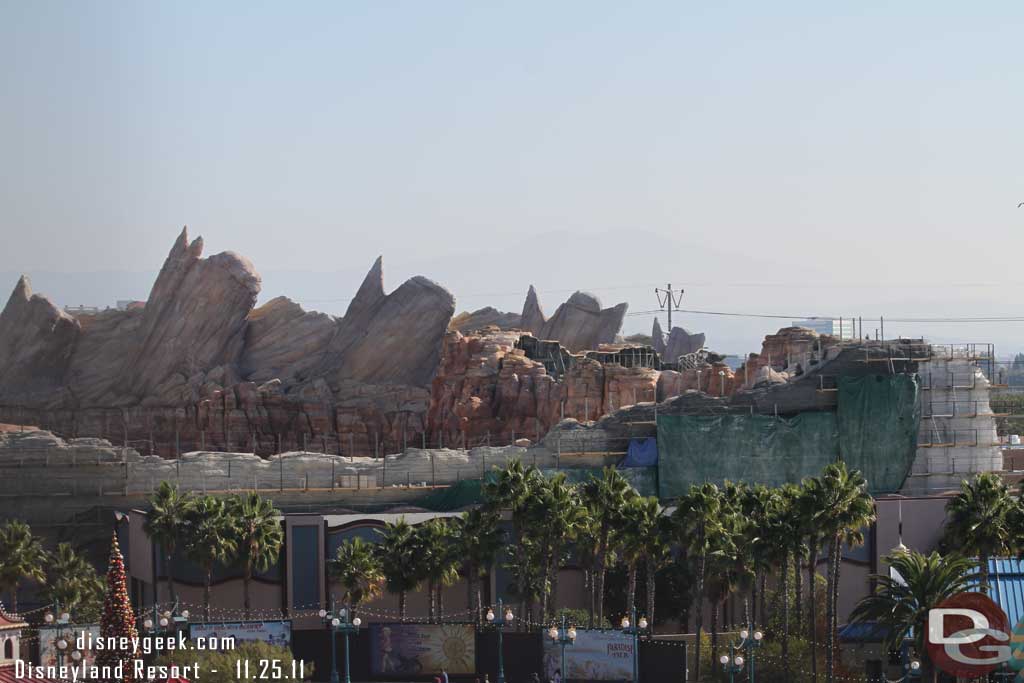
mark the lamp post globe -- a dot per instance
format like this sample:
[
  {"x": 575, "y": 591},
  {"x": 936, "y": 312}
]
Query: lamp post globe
[
  {"x": 563, "y": 637},
  {"x": 499, "y": 624},
  {"x": 339, "y": 621},
  {"x": 750, "y": 640},
  {"x": 632, "y": 626}
]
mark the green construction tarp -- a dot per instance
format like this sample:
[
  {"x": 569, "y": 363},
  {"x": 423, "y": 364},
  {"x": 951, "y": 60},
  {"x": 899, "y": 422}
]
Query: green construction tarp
[
  {"x": 454, "y": 497},
  {"x": 878, "y": 418},
  {"x": 693, "y": 449},
  {"x": 873, "y": 429}
]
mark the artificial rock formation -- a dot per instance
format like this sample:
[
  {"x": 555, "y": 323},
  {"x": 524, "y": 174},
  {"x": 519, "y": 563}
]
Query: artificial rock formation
[
  {"x": 485, "y": 317},
  {"x": 579, "y": 324},
  {"x": 198, "y": 367},
  {"x": 680, "y": 341},
  {"x": 487, "y": 389},
  {"x": 785, "y": 355},
  {"x": 36, "y": 339}
]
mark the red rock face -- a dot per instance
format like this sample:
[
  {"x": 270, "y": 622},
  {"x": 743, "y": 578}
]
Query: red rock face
[
  {"x": 486, "y": 389},
  {"x": 786, "y": 351}
]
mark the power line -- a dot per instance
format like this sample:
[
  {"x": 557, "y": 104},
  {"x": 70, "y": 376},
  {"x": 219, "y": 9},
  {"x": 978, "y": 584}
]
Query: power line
[
  {"x": 942, "y": 319},
  {"x": 727, "y": 284}
]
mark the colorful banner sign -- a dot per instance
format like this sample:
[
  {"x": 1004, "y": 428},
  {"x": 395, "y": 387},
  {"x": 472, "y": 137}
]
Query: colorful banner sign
[
  {"x": 595, "y": 656},
  {"x": 277, "y": 633},
  {"x": 422, "y": 649}
]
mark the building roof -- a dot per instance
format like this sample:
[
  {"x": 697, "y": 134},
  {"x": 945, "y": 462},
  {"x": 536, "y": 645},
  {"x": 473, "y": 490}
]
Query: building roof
[
  {"x": 385, "y": 517},
  {"x": 8, "y": 621},
  {"x": 1006, "y": 586},
  {"x": 7, "y": 676}
]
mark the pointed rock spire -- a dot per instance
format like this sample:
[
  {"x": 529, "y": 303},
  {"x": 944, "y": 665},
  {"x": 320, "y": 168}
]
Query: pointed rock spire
[
  {"x": 195, "y": 250},
  {"x": 370, "y": 292},
  {"x": 658, "y": 338},
  {"x": 533, "y": 317},
  {"x": 22, "y": 292},
  {"x": 180, "y": 245}
]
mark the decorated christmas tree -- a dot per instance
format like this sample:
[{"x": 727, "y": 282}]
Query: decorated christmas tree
[{"x": 118, "y": 620}]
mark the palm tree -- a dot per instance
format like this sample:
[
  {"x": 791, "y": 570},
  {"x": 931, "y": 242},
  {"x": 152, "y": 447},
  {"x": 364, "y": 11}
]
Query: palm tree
[
  {"x": 768, "y": 542},
  {"x": 165, "y": 525},
  {"x": 698, "y": 518},
  {"x": 631, "y": 537},
  {"x": 210, "y": 540},
  {"x": 811, "y": 505},
  {"x": 526, "y": 580},
  {"x": 848, "y": 509},
  {"x": 757, "y": 505},
  {"x": 555, "y": 512},
  {"x": 786, "y": 533},
  {"x": 74, "y": 583},
  {"x": 512, "y": 490},
  {"x": 902, "y": 604},
  {"x": 356, "y": 566},
  {"x": 259, "y": 537},
  {"x": 21, "y": 557},
  {"x": 725, "y": 571},
  {"x": 980, "y": 521},
  {"x": 729, "y": 564},
  {"x": 646, "y": 538},
  {"x": 439, "y": 560},
  {"x": 398, "y": 552},
  {"x": 796, "y": 528},
  {"x": 606, "y": 497},
  {"x": 657, "y": 556},
  {"x": 480, "y": 539},
  {"x": 586, "y": 555}
]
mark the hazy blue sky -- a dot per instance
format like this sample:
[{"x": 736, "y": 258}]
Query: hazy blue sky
[{"x": 792, "y": 157}]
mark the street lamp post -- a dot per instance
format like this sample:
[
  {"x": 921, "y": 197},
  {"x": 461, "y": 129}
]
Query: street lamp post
[
  {"x": 339, "y": 622},
  {"x": 161, "y": 622},
  {"x": 732, "y": 662},
  {"x": 563, "y": 637},
  {"x": 166, "y": 621},
  {"x": 912, "y": 668},
  {"x": 500, "y": 621},
  {"x": 750, "y": 640},
  {"x": 634, "y": 628},
  {"x": 61, "y": 619}
]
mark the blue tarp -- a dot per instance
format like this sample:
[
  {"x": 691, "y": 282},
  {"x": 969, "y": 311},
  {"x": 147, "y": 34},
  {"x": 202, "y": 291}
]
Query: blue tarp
[{"x": 642, "y": 453}]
